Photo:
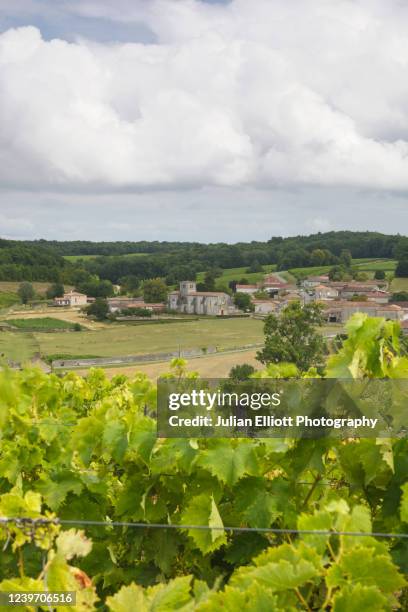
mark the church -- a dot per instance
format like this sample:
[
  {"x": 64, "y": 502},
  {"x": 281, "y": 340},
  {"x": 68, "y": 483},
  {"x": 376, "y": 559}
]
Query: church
[{"x": 190, "y": 301}]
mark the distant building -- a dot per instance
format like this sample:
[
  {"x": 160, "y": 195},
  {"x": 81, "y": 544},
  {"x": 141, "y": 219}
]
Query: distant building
[
  {"x": 190, "y": 301},
  {"x": 313, "y": 281},
  {"x": 116, "y": 304},
  {"x": 341, "y": 311},
  {"x": 350, "y": 289},
  {"x": 250, "y": 289},
  {"x": 72, "y": 298},
  {"x": 264, "y": 306},
  {"x": 325, "y": 292}
]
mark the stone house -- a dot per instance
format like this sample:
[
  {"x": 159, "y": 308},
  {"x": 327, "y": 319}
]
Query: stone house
[
  {"x": 72, "y": 298},
  {"x": 190, "y": 301},
  {"x": 264, "y": 306},
  {"x": 325, "y": 292},
  {"x": 340, "y": 311},
  {"x": 351, "y": 289}
]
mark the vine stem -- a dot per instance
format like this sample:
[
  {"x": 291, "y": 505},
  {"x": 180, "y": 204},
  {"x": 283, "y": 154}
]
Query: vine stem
[
  {"x": 302, "y": 600},
  {"x": 316, "y": 481}
]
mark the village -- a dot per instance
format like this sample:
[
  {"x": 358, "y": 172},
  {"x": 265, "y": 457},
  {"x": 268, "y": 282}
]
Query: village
[{"x": 339, "y": 299}]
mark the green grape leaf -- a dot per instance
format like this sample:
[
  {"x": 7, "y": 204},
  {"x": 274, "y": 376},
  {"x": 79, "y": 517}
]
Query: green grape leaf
[
  {"x": 172, "y": 596},
  {"x": 255, "y": 598},
  {"x": 229, "y": 463},
  {"x": 356, "y": 598},
  {"x": 202, "y": 510},
  {"x": 361, "y": 565},
  {"x": 128, "y": 598},
  {"x": 55, "y": 491}
]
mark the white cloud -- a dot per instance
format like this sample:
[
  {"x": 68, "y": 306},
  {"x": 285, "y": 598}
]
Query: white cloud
[{"x": 259, "y": 94}]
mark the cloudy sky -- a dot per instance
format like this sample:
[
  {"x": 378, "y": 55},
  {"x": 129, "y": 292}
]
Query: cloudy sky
[{"x": 205, "y": 120}]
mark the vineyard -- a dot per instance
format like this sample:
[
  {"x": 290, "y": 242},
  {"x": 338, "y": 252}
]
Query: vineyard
[{"x": 92, "y": 501}]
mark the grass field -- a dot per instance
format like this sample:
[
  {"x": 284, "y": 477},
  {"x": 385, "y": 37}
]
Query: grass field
[
  {"x": 230, "y": 274},
  {"x": 365, "y": 265},
  {"x": 133, "y": 340},
  {"x": 7, "y": 299},
  {"x": 40, "y": 323},
  {"x": 18, "y": 347},
  {"x": 12, "y": 287},
  {"x": 399, "y": 284},
  {"x": 387, "y": 265}
]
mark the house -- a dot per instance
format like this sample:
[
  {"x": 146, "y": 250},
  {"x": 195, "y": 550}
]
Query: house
[
  {"x": 72, "y": 298},
  {"x": 312, "y": 281},
  {"x": 250, "y": 289},
  {"x": 325, "y": 292},
  {"x": 351, "y": 289},
  {"x": 382, "y": 297},
  {"x": 264, "y": 306},
  {"x": 339, "y": 311},
  {"x": 190, "y": 301},
  {"x": 404, "y": 327},
  {"x": 116, "y": 304}
]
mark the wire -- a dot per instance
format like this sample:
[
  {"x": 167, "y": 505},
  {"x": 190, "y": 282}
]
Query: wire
[{"x": 90, "y": 523}]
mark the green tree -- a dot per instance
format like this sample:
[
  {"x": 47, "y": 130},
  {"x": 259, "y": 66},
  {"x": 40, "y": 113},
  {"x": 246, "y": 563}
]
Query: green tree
[
  {"x": 400, "y": 296},
  {"x": 241, "y": 372},
  {"x": 154, "y": 291},
  {"x": 345, "y": 258},
  {"x": 317, "y": 257},
  {"x": 243, "y": 301},
  {"x": 26, "y": 292},
  {"x": 99, "y": 309},
  {"x": 402, "y": 269},
  {"x": 339, "y": 273},
  {"x": 55, "y": 290},
  {"x": 255, "y": 267},
  {"x": 379, "y": 275},
  {"x": 292, "y": 337}
]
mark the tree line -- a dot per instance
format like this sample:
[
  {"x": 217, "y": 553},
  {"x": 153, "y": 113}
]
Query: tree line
[{"x": 43, "y": 260}]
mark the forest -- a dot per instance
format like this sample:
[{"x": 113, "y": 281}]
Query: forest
[{"x": 42, "y": 260}]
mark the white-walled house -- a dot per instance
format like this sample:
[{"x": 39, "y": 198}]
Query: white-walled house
[
  {"x": 72, "y": 298},
  {"x": 249, "y": 289}
]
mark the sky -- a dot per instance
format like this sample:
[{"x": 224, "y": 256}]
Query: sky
[{"x": 202, "y": 120}]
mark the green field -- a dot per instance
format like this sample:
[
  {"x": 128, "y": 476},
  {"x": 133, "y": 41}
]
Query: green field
[
  {"x": 399, "y": 284},
  {"x": 365, "y": 265},
  {"x": 7, "y": 299},
  {"x": 301, "y": 273},
  {"x": 230, "y": 274},
  {"x": 87, "y": 257},
  {"x": 387, "y": 265},
  {"x": 18, "y": 347},
  {"x": 43, "y": 323},
  {"x": 132, "y": 340}
]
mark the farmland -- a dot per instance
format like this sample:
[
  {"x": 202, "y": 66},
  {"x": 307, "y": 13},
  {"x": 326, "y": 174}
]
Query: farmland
[
  {"x": 139, "y": 339},
  {"x": 18, "y": 347},
  {"x": 399, "y": 284},
  {"x": 41, "y": 323}
]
